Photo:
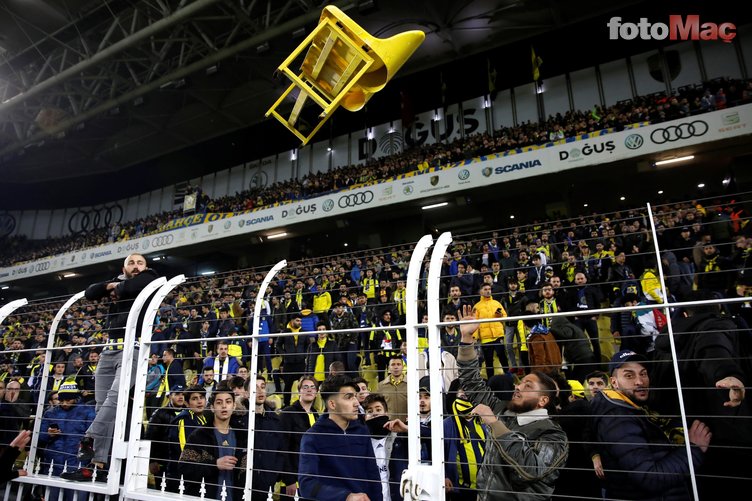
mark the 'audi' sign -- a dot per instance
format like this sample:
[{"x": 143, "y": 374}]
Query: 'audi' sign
[
  {"x": 355, "y": 199},
  {"x": 162, "y": 240},
  {"x": 674, "y": 133}
]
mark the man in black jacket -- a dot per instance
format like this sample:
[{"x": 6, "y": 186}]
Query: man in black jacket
[
  {"x": 158, "y": 430},
  {"x": 642, "y": 452},
  {"x": 713, "y": 355},
  {"x": 294, "y": 350},
  {"x": 296, "y": 420},
  {"x": 122, "y": 291}
]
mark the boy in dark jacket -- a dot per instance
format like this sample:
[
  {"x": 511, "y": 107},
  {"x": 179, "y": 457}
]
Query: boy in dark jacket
[{"x": 336, "y": 456}]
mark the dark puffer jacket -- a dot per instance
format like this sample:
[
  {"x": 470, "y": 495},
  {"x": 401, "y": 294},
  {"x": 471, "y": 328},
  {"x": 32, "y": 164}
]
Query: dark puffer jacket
[{"x": 639, "y": 460}]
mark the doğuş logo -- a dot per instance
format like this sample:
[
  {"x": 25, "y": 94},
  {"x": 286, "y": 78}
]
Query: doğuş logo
[{"x": 676, "y": 29}]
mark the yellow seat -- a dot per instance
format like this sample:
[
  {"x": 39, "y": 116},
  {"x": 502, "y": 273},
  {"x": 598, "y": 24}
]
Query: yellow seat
[{"x": 343, "y": 65}]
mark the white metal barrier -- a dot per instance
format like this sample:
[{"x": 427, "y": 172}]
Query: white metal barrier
[{"x": 420, "y": 481}]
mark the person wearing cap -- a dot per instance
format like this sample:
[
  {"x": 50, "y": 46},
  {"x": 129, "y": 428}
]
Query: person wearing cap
[
  {"x": 642, "y": 452},
  {"x": 121, "y": 291},
  {"x": 194, "y": 416},
  {"x": 61, "y": 430},
  {"x": 158, "y": 430},
  {"x": 521, "y": 436}
]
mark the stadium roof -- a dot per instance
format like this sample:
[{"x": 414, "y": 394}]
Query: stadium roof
[{"x": 138, "y": 94}]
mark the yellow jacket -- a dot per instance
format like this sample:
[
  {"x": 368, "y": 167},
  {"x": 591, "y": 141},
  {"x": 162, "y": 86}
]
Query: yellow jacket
[
  {"x": 322, "y": 302},
  {"x": 651, "y": 286},
  {"x": 486, "y": 308}
]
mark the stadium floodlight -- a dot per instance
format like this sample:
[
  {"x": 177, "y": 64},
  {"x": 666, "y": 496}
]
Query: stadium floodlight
[
  {"x": 435, "y": 206},
  {"x": 674, "y": 160},
  {"x": 208, "y": 273},
  {"x": 277, "y": 235},
  {"x": 69, "y": 275}
]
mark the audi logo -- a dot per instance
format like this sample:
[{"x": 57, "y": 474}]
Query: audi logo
[
  {"x": 162, "y": 240},
  {"x": 355, "y": 199},
  {"x": 677, "y": 132},
  {"x": 7, "y": 224},
  {"x": 42, "y": 266},
  {"x": 83, "y": 221}
]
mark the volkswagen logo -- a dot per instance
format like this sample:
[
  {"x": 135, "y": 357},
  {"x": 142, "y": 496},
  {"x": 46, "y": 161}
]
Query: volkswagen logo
[
  {"x": 673, "y": 133},
  {"x": 463, "y": 174},
  {"x": 162, "y": 240},
  {"x": 355, "y": 199},
  {"x": 633, "y": 141},
  {"x": 83, "y": 221},
  {"x": 328, "y": 205},
  {"x": 7, "y": 224}
]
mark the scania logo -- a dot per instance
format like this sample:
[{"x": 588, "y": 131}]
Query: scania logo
[
  {"x": 633, "y": 141},
  {"x": 463, "y": 174},
  {"x": 355, "y": 199},
  {"x": 674, "y": 133},
  {"x": 487, "y": 171},
  {"x": 328, "y": 205},
  {"x": 162, "y": 240}
]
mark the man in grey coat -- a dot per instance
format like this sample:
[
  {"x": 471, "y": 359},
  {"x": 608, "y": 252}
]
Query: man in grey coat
[{"x": 525, "y": 448}]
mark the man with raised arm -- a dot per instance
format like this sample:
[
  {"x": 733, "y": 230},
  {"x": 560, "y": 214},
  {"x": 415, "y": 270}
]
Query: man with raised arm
[
  {"x": 122, "y": 291},
  {"x": 524, "y": 447}
]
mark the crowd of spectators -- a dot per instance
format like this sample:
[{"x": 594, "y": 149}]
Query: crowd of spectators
[
  {"x": 654, "y": 108},
  {"x": 580, "y": 264}
]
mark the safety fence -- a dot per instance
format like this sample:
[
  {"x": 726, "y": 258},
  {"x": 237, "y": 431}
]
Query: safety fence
[{"x": 439, "y": 443}]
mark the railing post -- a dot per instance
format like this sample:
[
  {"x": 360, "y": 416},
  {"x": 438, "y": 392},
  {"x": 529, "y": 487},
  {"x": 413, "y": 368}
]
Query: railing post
[
  {"x": 135, "y": 449},
  {"x": 9, "y": 308},
  {"x": 438, "y": 492},
  {"x": 45, "y": 374},
  {"x": 253, "y": 373},
  {"x": 119, "y": 445},
  {"x": 415, "y": 479},
  {"x": 674, "y": 358}
]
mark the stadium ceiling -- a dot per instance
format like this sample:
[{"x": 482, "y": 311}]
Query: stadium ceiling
[{"x": 98, "y": 86}]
